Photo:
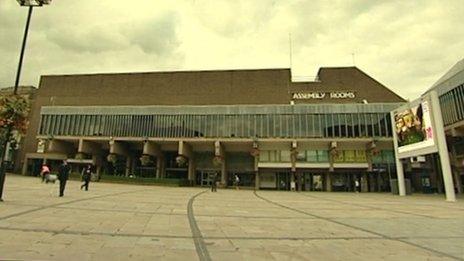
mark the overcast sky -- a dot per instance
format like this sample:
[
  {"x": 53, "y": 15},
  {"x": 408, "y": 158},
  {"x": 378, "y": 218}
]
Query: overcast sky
[{"x": 406, "y": 45}]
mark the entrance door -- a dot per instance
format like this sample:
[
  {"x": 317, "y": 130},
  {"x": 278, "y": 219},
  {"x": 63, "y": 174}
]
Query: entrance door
[
  {"x": 206, "y": 177},
  {"x": 283, "y": 181},
  {"x": 307, "y": 179}
]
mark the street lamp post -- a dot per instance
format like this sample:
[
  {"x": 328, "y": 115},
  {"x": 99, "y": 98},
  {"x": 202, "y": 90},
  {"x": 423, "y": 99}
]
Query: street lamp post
[{"x": 31, "y": 4}]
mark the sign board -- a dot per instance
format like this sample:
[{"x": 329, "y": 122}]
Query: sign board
[
  {"x": 323, "y": 95},
  {"x": 414, "y": 128}
]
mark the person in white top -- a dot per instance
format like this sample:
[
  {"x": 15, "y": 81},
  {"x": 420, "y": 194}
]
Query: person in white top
[{"x": 356, "y": 184}]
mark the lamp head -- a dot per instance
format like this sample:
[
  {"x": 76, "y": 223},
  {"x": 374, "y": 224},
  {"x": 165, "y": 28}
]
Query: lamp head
[{"x": 34, "y": 2}]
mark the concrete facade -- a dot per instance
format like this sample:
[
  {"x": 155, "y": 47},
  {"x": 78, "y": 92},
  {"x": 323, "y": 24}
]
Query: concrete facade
[{"x": 246, "y": 93}]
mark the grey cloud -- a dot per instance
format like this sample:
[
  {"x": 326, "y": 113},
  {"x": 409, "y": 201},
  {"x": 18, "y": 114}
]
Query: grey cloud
[
  {"x": 95, "y": 40},
  {"x": 234, "y": 18},
  {"x": 156, "y": 36}
]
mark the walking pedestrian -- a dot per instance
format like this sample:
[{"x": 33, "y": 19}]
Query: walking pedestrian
[
  {"x": 292, "y": 185},
  {"x": 63, "y": 175},
  {"x": 86, "y": 174},
  {"x": 44, "y": 172},
  {"x": 214, "y": 182},
  {"x": 236, "y": 181},
  {"x": 357, "y": 187}
]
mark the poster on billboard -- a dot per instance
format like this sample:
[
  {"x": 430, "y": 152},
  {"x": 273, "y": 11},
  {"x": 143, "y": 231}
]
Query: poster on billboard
[{"x": 414, "y": 129}]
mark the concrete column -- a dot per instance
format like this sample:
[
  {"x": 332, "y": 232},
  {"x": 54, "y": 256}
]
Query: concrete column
[
  {"x": 224, "y": 173},
  {"x": 442, "y": 147},
  {"x": 256, "y": 172},
  {"x": 378, "y": 181},
  {"x": 191, "y": 170},
  {"x": 163, "y": 168},
  {"x": 458, "y": 181},
  {"x": 400, "y": 176},
  {"x": 364, "y": 183},
  {"x": 99, "y": 171},
  {"x": 256, "y": 180},
  {"x": 399, "y": 164},
  {"x": 219, "y": 151},
  {"x": 332, "y": 146},
  {"x": 24, "y": 169},
  {"x": 159, "y": 166},
  {"x": 328, "y": 182},
  {"x": 128, "y": 166}
]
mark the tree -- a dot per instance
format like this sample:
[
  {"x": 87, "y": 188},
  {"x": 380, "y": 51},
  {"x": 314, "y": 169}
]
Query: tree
[{"x": 13, "y": 119}]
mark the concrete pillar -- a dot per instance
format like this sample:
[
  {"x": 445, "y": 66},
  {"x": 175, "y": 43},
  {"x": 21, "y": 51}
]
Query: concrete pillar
[
  {"x": 128, "y": 166},
  {"x": 117, "y": 147},
  {"x": 99, "y": 167},
  {"x": 159, "y": 167},
  {"x": 442, "y": 147},
  {"x": 191, "y": 170},
  {"x": 224, "y": 173},
  {"x": 332, "y": 146},
  {"x": 458, "y": 181},
  {"x": 364, "y": 183},
  {"x": 377, "y": 175},
  {"x": 399, "y": 164},
  {"x": 256, "y": 180},
  {"x": 24, "y": 169},
  {"x": 133, "y": 164},
  {"x": 256, "y": 169},
  {"x": 219, "y": 151},
  {"x": 328, "y": 181}
]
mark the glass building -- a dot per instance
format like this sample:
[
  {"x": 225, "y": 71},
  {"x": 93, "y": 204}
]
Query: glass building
[{"x": 257, "y": 125}]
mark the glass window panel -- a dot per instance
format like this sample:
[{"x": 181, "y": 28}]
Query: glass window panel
[
  {"x": 311, "y": 156},
  {"x": 350, "y": 155},
  {"x": 285, "y": 156},
  {"x": 336, "y": 125},
  {"x": 322, "y": 156},
  {"x": 301, "y": 156},
  {"x": 264, "y": 156},
  {"x": 388, "y": 156},
  {"x": 361, "y": 156},
  {"x": 349, "y": 125},
  {"x": 272, "y": 156},
  {"x": 340, "y": 157}
]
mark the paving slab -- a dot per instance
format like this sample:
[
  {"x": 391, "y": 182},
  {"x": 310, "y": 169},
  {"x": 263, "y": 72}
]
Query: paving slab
[{"x": 130, "y": 222}]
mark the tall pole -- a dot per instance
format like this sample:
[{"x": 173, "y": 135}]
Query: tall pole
[
  {"x": 23, "y": 47},
  {"x": 4, "y": 145}
]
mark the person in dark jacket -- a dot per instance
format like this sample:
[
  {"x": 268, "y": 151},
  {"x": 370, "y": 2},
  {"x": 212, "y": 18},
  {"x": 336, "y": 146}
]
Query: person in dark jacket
[
  {"x": 63, "y": 175},
  {"x": 86, "y": 174},
  {"x": 214, "y": 182}
]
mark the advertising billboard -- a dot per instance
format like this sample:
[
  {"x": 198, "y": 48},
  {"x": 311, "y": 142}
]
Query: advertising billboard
[{"x": 414, "y": 130}]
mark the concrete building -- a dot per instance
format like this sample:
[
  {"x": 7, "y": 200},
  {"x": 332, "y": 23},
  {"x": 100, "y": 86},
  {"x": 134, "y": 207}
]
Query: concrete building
[
  {"x": 450, "y": 88},
  {"x": 256, "y": 124}
]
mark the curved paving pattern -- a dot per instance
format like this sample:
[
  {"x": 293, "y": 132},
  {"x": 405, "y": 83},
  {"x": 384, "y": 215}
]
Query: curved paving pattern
[
  {"x": 122, "y": 222},
  {"x": 360, "y": 228},
  {"x": 200, "y": 245}
]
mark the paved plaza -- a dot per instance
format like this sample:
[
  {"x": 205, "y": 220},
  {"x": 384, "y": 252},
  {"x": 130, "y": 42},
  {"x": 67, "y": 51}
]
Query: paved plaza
[{"x": 122, "y": 222}]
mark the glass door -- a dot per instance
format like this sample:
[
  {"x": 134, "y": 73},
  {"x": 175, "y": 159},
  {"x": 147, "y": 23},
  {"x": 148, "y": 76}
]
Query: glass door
[{"x": 283, "y": 181}]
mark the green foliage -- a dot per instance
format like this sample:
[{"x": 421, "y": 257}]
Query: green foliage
[{"x": 13, "y": 118}]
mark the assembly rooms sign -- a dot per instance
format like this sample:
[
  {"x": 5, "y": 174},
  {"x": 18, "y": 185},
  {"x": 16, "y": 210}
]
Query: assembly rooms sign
[{"x": 322, "y": 95}]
